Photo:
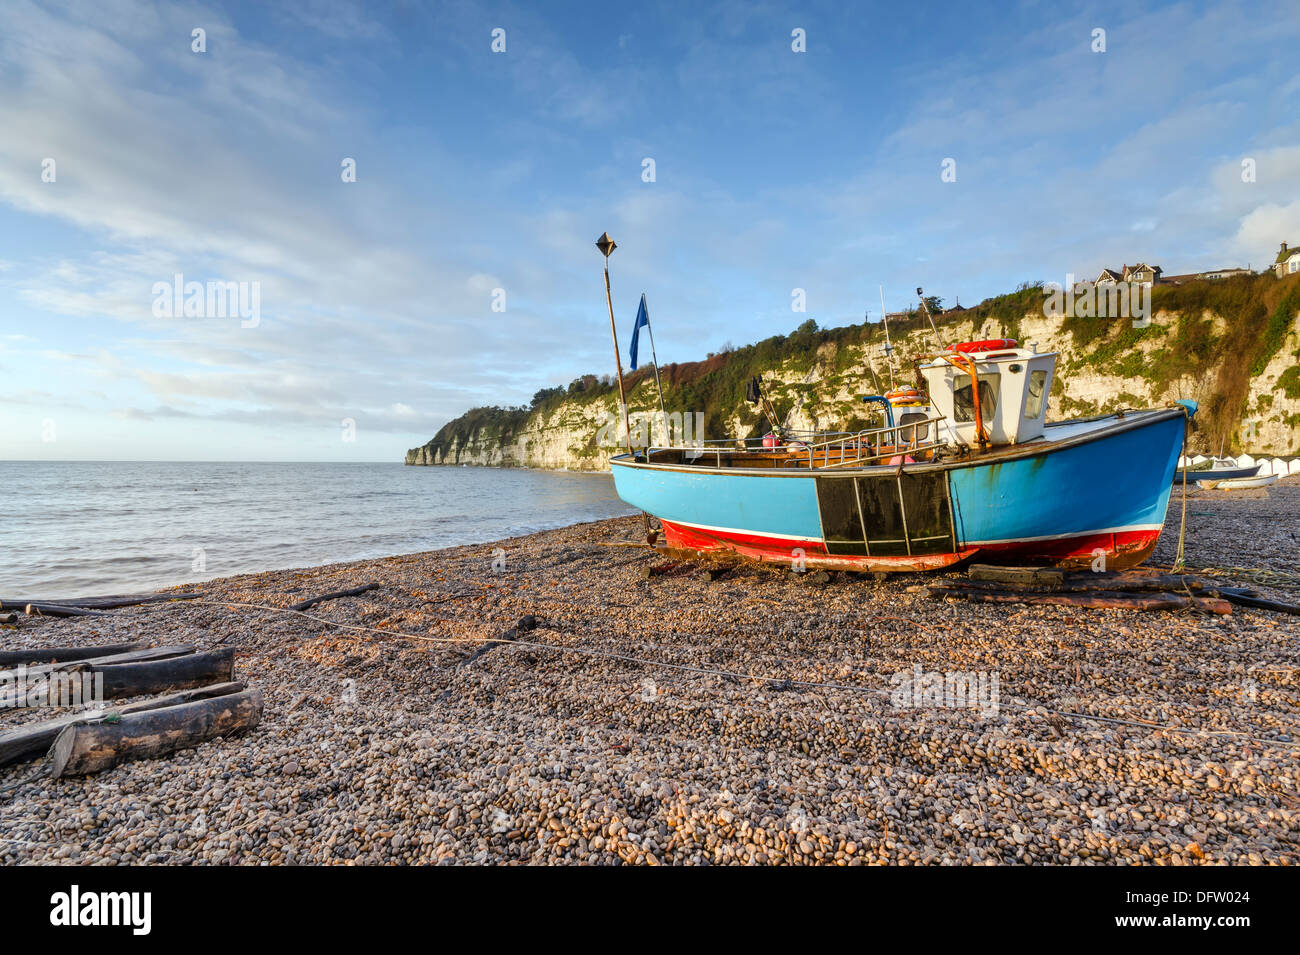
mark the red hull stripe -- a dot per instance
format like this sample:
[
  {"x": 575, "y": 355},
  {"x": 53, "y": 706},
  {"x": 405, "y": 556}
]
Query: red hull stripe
[{"x": 1114, "y": 545}]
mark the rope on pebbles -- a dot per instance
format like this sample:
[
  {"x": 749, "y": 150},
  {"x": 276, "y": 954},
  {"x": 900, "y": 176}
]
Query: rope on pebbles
[{"x": 784, "y": 682}]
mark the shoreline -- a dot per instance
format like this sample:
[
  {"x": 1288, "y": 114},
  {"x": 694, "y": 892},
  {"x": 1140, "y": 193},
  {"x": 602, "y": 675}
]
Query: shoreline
[
  {"x": 305, "y": 568},
  {"x": 178, "y": 524},
  {"x": 688, "y": 718}
]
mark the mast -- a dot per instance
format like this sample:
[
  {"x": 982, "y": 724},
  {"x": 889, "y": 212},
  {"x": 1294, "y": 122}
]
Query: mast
[
  {"x": 937, "y": 343},
  {"x": 662, "y": 409},
  {"x": 889, "y": 348},
  {"x": 871, "y": 365},
  {"x": 606, "y": 246}
]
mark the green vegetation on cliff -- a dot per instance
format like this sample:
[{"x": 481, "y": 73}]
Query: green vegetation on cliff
[
  {"x": 481, "y": 426},
  {"x": 1209, "y": 339},
  {"x": 1216, "y": 338}
]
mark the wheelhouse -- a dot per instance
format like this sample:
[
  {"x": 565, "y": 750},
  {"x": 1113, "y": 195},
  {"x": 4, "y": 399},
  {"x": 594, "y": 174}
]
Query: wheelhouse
[{"x": 992, "y": 385}]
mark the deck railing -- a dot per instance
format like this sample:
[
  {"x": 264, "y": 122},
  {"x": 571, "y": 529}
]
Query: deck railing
[{"x": 820, "y": 449}]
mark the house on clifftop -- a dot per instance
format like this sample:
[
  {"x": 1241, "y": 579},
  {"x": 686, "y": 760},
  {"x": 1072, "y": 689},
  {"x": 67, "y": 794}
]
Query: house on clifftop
[
  {"x": 1287, "y": 261},
  {"x": 1149, "y": 275},
  {"x": 1213, "y": 275},
  {"x": 1143, "y": 274}
]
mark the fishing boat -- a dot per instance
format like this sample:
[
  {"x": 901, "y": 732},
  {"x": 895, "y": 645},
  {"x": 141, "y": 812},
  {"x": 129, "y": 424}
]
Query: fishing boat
[
  {"x": 965, "y": 465},
  {"x": 1229, "y": 484},
  {"x": 1218, "y": 469}
]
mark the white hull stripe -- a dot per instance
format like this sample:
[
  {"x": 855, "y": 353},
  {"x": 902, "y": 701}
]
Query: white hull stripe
[
  {"x": 731, "y": 530},
  {"x": 1057, "y": 537},
  {"x": 1010, "y": 540}
]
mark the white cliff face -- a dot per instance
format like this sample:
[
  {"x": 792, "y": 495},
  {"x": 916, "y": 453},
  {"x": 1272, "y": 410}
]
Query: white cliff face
[
  {"x": 825, "y": 394},
  {"x": 1272, "y": 419}
]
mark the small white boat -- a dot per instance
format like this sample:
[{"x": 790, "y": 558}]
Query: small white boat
[
  {"x": 1220, "y": 469},
  {"x": 1264, "y": 480}
]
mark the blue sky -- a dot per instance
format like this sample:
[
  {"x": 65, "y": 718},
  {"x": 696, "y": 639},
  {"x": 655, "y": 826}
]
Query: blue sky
[{"x": 476, "y": 170}]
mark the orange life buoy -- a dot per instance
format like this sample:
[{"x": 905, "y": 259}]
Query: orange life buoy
[
  {"x": 989, "y": 344},
  {"x": 906, "y": 394}
]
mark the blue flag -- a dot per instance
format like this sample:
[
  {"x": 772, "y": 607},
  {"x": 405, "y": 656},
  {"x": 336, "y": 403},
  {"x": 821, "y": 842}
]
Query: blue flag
[{"x": 642, "y": 318}]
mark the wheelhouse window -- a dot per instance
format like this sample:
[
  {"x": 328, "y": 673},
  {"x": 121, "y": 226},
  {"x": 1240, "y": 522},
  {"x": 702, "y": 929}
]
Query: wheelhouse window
[
  {"x": 1034, "y": 402},
  {"x": 963, "y": 404},
  {"x": 916, "y": 434}
]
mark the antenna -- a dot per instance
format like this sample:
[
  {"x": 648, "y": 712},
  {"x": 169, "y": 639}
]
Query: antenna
[
  {"x": 871, "y": 365},
  {"x": 889, "y": 348},
  {"x": 937, "y": 343}
]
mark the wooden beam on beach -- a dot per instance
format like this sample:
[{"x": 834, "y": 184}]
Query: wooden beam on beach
[
  {"x": 114, "y": 656},
  {"x": 108, "y": 603},
  {"x": 34, "y": 739},
  {"x": 311, "y": 602},
  {"x": 670, "y": 567},
  {"x": 1259, "y": 603},
  {"x": 79, "y": 750},
  {"x": 1016, "y": 575},
  {"x": 525, "y": 624},
  {"x": 62, "y": 654},
  {"x": 58, "y": 610},
  {"x": 1092, "y": 583},
  {"x": 174, "y": 673},
  {"x": 81, "y": 682},
  {"x": 99, "y": 603},
  {"x": 34, "y": 685},
  {"x": 1098, "y": 599}
]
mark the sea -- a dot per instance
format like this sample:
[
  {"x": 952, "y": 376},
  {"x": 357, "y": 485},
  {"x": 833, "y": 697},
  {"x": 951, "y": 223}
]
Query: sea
[{"x": 73, "y": 529}]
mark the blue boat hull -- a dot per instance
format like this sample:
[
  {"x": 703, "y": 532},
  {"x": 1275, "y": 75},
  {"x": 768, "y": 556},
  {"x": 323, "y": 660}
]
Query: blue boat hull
[{"x": 1097, "y": 493}]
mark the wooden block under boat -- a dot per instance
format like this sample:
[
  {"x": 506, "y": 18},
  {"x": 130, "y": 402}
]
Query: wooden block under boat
[{"x": 1017, "y": 575}]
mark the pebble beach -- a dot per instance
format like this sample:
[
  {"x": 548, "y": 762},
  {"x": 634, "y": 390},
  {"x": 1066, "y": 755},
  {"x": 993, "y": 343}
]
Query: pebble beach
[{"x": 703, "y": 716}]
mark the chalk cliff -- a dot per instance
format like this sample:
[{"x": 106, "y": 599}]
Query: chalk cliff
[{"x": 1233, "y": 345}]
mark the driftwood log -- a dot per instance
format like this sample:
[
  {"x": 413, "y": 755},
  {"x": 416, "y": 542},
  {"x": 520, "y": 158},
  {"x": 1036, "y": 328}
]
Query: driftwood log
[
  {"x": 1203, "y": 593},
  {"x": 1096, "y": 583},
  {"x": 312, "y": 601},
  {"x": 130, "y": 656},
  {"x": 58, "y": 610},
  {"x": 108, "y": 603},
  {"x": 1093, "y": 599},
  {"x": 670, "y": 567},
  {"x": 34, "y": 739},
  {"x": 62, "y": 654},
  {"x": 79, "y": 750},
  {"x": 98, "y": 603},
  {"x": 1259, "y": 603},
  {"x": 174, "y": 673},
  {"x": 125, "y": 674},
  {"x": 526, "y": 624},
  {"x": 1016, "y": 575}
]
